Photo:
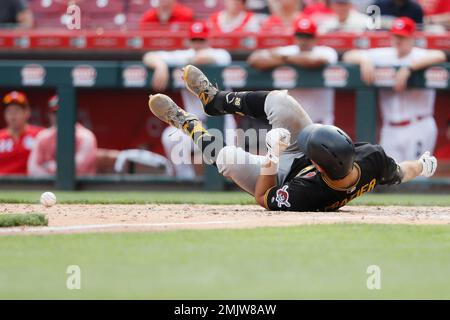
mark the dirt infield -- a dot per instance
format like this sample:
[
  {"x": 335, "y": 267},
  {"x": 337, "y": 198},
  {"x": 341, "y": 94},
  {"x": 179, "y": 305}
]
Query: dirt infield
[{"x": 132, "y": 218}]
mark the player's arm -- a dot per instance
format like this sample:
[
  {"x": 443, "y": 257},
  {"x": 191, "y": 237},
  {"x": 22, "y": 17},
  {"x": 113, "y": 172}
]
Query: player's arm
[
  {"x": 306, "y": 60},
  {"x": 442, "y": 19},
  {"x": 393, "y": 173},
  {"x": 265, "y": 59},
  {"x": 207, "y": 56},
  {"x": 404, "y": 73},
  {"x": 367, "y": 67},
  {"x": 425, "y": 166},
  {"x": 87, "y": 151},
  {"x": 25, "y": 19},
  {"x": 160, "y": 77},
  {"x": 277, "y": 140},
  {"x": 36, "y": 166}
]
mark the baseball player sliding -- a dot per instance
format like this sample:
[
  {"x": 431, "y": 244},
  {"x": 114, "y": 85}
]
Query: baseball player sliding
[{"x": 308, "y": 167}]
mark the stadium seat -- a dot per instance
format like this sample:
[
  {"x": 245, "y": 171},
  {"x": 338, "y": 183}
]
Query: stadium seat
[
  {"x": 48, "y": 6},
  {"x": 103, "y": 6},
  {"x": 203, "y": 8},
  {"x": 104, "y": 13},
  {"x": 140, "y": 6}
]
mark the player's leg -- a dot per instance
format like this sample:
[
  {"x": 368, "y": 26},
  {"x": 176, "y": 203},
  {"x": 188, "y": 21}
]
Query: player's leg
[
  {"x": 278, "y": 107},
  {"x": 282, "y": 110},
  {"x": 242, "y": 167}
]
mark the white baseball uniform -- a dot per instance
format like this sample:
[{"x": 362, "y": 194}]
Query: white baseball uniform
[
  {"x": 318, "y": 103},
  {"x": 409, "y": 128},
  {"x": 177, "y": 145}
]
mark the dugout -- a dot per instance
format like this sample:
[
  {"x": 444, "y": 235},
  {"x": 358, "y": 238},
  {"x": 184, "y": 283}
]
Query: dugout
[{"x": 114, "y": 95}]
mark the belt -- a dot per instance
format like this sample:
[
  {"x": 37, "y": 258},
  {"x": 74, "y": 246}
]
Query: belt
[{"x": 407, "y": 122}]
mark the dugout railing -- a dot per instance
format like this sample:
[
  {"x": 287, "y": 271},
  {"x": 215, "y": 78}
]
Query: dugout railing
[{"x": 69, "y": 76}]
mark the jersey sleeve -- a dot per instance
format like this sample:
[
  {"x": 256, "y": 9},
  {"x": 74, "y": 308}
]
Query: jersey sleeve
[
  {"x": 175, "y": 58},
  {"x": 222, "y": 57},
  {"x": 328, "y": 54},
  {"x": 390, "y": 170},
  {"x": 380, "y": 56},
  {"x": 288, "y": 197}
]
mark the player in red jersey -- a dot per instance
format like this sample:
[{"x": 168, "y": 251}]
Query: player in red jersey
[{"x": 17, "y": 139}]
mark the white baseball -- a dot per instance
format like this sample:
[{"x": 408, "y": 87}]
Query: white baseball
[{"x": 48, "y": 199}]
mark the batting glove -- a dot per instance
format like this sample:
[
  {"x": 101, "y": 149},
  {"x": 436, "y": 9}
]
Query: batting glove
[
  {"x": 277, "y": 141},
  {"x": 429, "y": 164}
]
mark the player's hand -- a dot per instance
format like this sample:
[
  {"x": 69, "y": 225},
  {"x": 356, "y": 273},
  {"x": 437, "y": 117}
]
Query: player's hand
[
  {"x": 160, "y": 78},
  {"x": 429, "y": 164},
  {"x": 401, "y": 79},
  {"x": 367, "y": 70},
  {"x": 277, "y": 141}
]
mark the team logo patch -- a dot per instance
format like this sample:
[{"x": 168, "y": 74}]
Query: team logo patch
[
  {"x": 436, "y": 77},
  {"x": 33, "y": 75},
  {"x": 283, "y": 197},
  {"x": 234, "y": 77},
  {"x": 284, "y": 77},
  {"x": 84, "y": 76},
  {"x": 134, "y": 76},
  {"x": 385, "y": 77},
  {"x": 335, "y": 76}
]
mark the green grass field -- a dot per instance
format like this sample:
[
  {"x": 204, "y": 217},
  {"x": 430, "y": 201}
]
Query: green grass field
[
  {"x": 293, "y": 263},
  {"x": 319, "y": 261}
]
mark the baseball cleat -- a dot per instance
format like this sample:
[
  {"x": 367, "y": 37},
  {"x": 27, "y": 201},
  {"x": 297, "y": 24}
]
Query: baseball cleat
[
  {"x": 198, "y": 84},
  {"x": 169, "y": 112}
]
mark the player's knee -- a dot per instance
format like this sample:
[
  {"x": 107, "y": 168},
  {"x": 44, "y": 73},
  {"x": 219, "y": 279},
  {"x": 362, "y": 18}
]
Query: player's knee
[
  {"x": 282, "y": 104},
  {"x": 226, "y": 159}
]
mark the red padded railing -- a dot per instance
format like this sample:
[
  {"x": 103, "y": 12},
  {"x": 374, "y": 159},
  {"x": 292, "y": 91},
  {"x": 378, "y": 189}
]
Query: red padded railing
[{"x": 167, "y": 40}]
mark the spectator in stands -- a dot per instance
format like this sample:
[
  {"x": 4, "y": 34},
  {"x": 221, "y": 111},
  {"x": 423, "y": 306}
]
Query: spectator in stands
[
  {"x": 259, "y": 7},
  {"x": 443, "y": 153},
  {"x": 318, "y": 103},
  {"x": 234, "y": 18},
  {"x": 409, "y": 128},
  {"x": 15, "y": 13},
  {"x": 346, "y": 18},
  {"x": 391, "y": 9},
  {"x": 362, "y": 5},
  {"x": 42, "y": 161},
  {"x": 200, "y": 52},
  {"x": 18, "y": 138},
  {"x": 168, "y": 11},
  {"x": 437, "y": 12},
  {"x": 318, "y": 10},
  {"x": 283, "y": 14}
]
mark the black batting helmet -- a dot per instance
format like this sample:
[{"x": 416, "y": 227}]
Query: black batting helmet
[{"x": 329, "y": 147}]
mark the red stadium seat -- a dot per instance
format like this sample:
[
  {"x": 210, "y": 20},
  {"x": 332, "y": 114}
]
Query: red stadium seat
[
  {"x": 203, "y": 8},
  {"x": 133, "y": 20},
  {"x": 108, "y": 14},
  {"x": 48, "y": 6},
  {"x": 103, "y": 6},
  {"x": 110, "y": 21},
  {"x": 51, "y": 13},
  {"x": 140, "y": 6}
]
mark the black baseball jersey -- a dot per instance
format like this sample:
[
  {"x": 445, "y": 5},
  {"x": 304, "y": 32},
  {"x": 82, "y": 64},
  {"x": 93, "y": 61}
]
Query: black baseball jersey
[{"x": 306, "y": 189}]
